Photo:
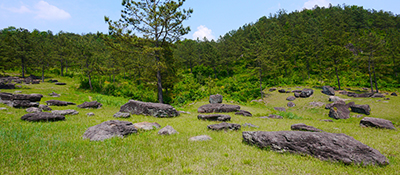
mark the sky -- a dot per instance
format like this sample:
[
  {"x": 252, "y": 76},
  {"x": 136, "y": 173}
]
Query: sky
[{"x": 210, "y": 19}]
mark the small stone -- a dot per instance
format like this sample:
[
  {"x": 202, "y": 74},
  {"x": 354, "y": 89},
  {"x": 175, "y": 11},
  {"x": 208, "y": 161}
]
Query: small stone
[
  {"x": 146, "y": 126},
  {"x": 45, "y": 107},
  {"x": 244, "y": 113},
  {"x": 273, "y": 116},
  {"x": 18, "y": 92},
  {"x": 250, "y": 125},
  {"x": 168, "y": 130},
  {"x": 59, "y": 83},
  {"x": 3, "y": 109},
  {"x": 317, "y": 104},
  {"x": 122, "y": 115},
  {"x": 393, "y": 94},
  {"x": 90, "y": 114},
  {"x": 280, "y": 109},
  {"x": 291, "y": 104},
  {"x": 327, "y": 120},
  {"x": 184, "y": 112},
  {"x": 200, "y": 138},
  {"x": 291, "y": 98}
]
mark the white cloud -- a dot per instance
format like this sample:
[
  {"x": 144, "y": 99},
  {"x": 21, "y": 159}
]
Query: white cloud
[
  {"x": 47, "y": 11},
  {"x": 203, "y": 31},
  {"x": 311, "y": 3},
  {"x": 22, "y": 9}
]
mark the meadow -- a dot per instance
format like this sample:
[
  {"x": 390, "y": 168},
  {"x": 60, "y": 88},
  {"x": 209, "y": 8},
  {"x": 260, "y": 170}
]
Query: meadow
[{"x": 58, "y": 147}]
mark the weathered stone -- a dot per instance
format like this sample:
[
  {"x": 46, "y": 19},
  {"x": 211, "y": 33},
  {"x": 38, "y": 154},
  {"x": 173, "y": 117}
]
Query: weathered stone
[
  {"x": 122, "y": 115},
  {"x": 23, "y": 104},
  {"x": 214, "y": 117},
  {"x": 244, "y": 113},
  {"x": 184, "y": 112},
  {"x": 378, "y": 95},
  {"x": 3, "y": 109},
  {"x": 59, "y": 103},
  {"x": 272, "y": 89},
  {"x": 215, "y": 99},
  {"x": 29, "y": 97},
  {"x": 53, "y": 94},
  {"x": 151, "y": 109},
  {"x": 339, "y": 111},
  {"x": 224, "y": 126},
  {"x": 328, "y": 90},
  {"x": 317, "y": 103},
  {"x": 291, "y": 104},
  {"x": 291, "y": 98},
  {"x": 364, "y": 95},
  {"x": 4, "y": 96},
  {"x": 393, "y": 94},
  {"x": 17, "y": 91},
  {"x": 305, "y": 93},
  {"x": 250, "y": 125},
  {"x": 280, "y": 109},
  {"x": 7, "y": 86},
  {"x": 327, "y": 120},
  {"x": 362, "y": 109},
  {"x": 53, "y": 81},
  {"x": 297, "y": 94},
  {"x": 168, "y": 130},
  {"x": 282, "y": 91},
  {"x": 273, "y": 116},
  {"x": 65, "y": 112},
  {"x": 200, "y": 138},
  {"x": 108, "y": 130},
  {"x": 335, "y": 98},
  {"x": 304, "y": 127},
  {"x": 59, "y": 83},
  {"x": 42, "y": 116},
  {"x": 386, "y": 98},
  {"x": 377, "y": 123},
  {"x": 33, "y": 110},
  {"x": 210, "y": 108},
  {"x": 93, "y": 104},
  {"x": 329, "y": 105},
  {"x": 343, "y": 92},
  {"x": 146, "y": 126},
  {"x": 90, "y": 114},
  {"x": 45, "y": 108},
  {"x": 325, "y": 146}
]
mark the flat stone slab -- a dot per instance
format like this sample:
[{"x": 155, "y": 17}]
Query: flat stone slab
[
  {"x": 224, "y": 126},
  {"x": 42, "y": 116},
  {"x": 53, "y": 94},
  {"x": 122, "y": 115},
  {"x": 44, "y": 107},
  {"x": 168, "y": 130},
  {"x": 250, "y": 125},
  {"x": 29, "y": 97},
  {"x": 23, "y": 104},
  {"x": 33, "y": 110},
  {"x": 214, "y": 117},
  {"x": 322, "y": 145},
  {"x": 92, "y": 104},
  {"x": 146, "y": 126},
  {"x": 58, "y": 103},
  {"x": 304, "y": 127},
  {"x": 218, "y": 107},
  {"x": 200, "y": 138},
  {"x": 280, "y": 109},
  {"x": 377, "y": 123},
  {"x": 244, "y": 113},
  {"x": 65, "y": 112},
  {"x": 109, "y": 129},
  {"x": 150, "y": 109},
  {"x": 362, "y": 109},
  {"x": 273, "y": 116}
]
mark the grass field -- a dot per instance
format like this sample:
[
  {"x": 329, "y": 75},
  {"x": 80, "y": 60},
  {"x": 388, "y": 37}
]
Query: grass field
[{"x": 58, "y": 147}]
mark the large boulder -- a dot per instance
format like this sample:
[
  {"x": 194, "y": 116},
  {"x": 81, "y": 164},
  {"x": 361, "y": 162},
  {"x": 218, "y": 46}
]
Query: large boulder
[
  {"x": 304, "y": 127},
  {"x": 23, "y": 104},
  {"x": 42, "y": 116},
  {"x": 58, "y": 103},
  {"x": 244, "y": 113},
  {"x": 339, "y": 110},
  {"x": 210, "y": 108},
  {"x": 329, "y": 105},
  {"x": 7, "y": 86},
  {"x": 322, "y": 145},
  {"x": 305, "y": 93},
  {"x": 65, "y": 112},
  {"x": 151, "y": 109},
  {"x": 215, "y": 98},
  {"x": 109, "y": 129},
  {"x": 224, "y": 126},
  {"x": 377, "y": 123},
  {"x": 214, "y": 117},
  {"x": 362, "y": 109},
  {"x": 92, "y": 104},
  {"x": 29, "y": 97},
  {"x": 328, "y": 90}
]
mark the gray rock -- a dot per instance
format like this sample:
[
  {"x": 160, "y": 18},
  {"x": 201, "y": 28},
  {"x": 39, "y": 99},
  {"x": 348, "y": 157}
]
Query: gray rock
[
  {"x": 53, "y": 94},
  {"x": 58, "y": 103},
  {"x": 297, "y": 94},
  {"x": 335, "y": 98},
  {"x": 325, "y": 146},
  {"x": 378, "y": 95},
  {"x": 343, "y": 92},
  {"x": 42, "y": 116},
  {"x": 90, "y": 114},
  {"x": 250, "y": 125},
  {"x": 23, "y": 104},
  {"x": 282, "y": 91},
  {"x": 3, "y": 109},
  {"x": 168, "y": 130},
  {"x": 291, "y": 98},
  {"x": 272, "y": 89},
  {"x": 327, "y": 120},
  {"x": 33, "y": 110},
  {"x": 93, "y": 104},
  {"x": 339, "y": 112},
  {"x": 150, "y": 109},
  {"x": 214, "y": 117},
  {"x": 65, "y": 112},
  {"x": 200, "y": 138},
  {"x": 305, "y": 93},
  {"x": 362, "y": 109},
  {"x": 280, "y": 109},
  {"x": 7, "y": 86},
  {"x": 146, "y": 126},
  {"x": 244, "y": 113},
  {"x": 108, "y": 130},
  {"x": 218, "y": 107},
  {"x": 317, "y": 103},
  {"x": 28, "y": 97},
  {"x": 328, "y": 90},
  {"x": 291, "y": 104},
  {"x": 328, "y": 106},
  {"x": 224, "y": 126},
  {"x": 122, "y": 115},
  {"x": 393, "y": 94},
  {"x": 304, "y": 127},
  {"x": 215, "y": 99},
  {"x": 364, "y": 95},
  {"x": 273, "y": 116},
  {"x": 4, "y": 96},
  {"x": 184, "y": 112},
  {"x": 44, "y": 107},
  {"x": 377, "y": 123},
  {"x": 17, "y": 91}
]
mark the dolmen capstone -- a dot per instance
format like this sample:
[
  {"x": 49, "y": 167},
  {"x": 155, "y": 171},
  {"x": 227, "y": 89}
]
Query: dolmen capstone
[
  {"x": 42, "y": 116},
  {"x": 244, "y": 113},
  {"x": 362, "y": 109},
  {"x": 224, "y": 126},
  {"x": 58, "y": 103},
  {"x": 325, "y": 146},
  {"x": 304, "y": 127},
  {"x": 328, "y": 90},
  {"x": 218, "y": 107},
  {"x": 377, "y": 123},
  {"x": 92, "y": 104},
  {"x": 25, "y": 100},
  {"x": 305, "y": 93},
  {"x": 215, "y": 99},
  {"x": 214, "y": 117},
  {"x": 109, "y": 129},
  {"x": 65, "y": 112},
  {"x": 150, "y": 109}
]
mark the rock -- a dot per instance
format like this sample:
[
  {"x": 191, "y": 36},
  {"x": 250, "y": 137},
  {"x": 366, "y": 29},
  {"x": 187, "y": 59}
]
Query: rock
[
  {"x": 122, "y": 115},
  {"x": 23, "y": 104},
  {"x": 377, "y": 123},
  {"x": 305, "y": 93},
  {"x": 215, "y": 99},
  {"x": 280, "y": 109},
  {"x": 53, "y": 94},
  {"x": 150, "y": 109},
  {"x": 378, "y": 95},
  {"x": 288, "y": 92},
  {"x": 325, "y": 146},
  {"x": 42, "y": 116},
  {"x": 210, "y": 108},
  {"x": 335, "y": 98},
  {"x": 33, "y": 110},
  {"x": 291, "y": 98},
  {"x": 168, "y": 130},
  {"x": 146, "y": 126},
  {"x": 291, "y": 104},
  {"x": 297, "y": 91},
  {"x": 386, "y": 98},
  {"x": 53, "y": 81},
  {"x": 343, "y": 92},
  {"x": 364, "y": 95},
  {"x": 90, "y": 114},
  {"x": 58, "y": 103},
  {"x": 328, "y": 90},
  {"x": 31, "y": 97},
  {"x": 358, "y": 116},
  {"x": 3, "y": 109},
  {"x": 281, "y": 91},
  {"x": 393, "y": 94},
  {"x": 17, "y": 91},
  {"x": 108, "y": 130},
  {"x": 4, "y": 96},
  {"x": 59, "y": 83},
  {"x": 339, "y": 112},
  {"x": 362, "y": 109},
  {"x": 45, "y": 108},
  {"x": 328, "y": 106},
  {"x": 244, "y": 113},
  {"x": 273, "y": 116},
  {"x": 200, "y": 138},
  {"x": 304, "y": 127},
  {"x": 365, "y": 89},
  {"x": 7, "y": 86},
  {"x": 214, "y": 117},
  {"x": 250, "y": 125},
  {"x": 184, "y": 112},
  {"x": 35, "y": 81},
  {"x": 93, "y": 104},
  {"x": 272, "y": 89},
  {"x": 317, "y": 103},
  {"x": 327, "y": 120},
  {"x": 297, "y": 94},
  {"x": 65, "y": 112},
  {"x": 224, "y": 126}
]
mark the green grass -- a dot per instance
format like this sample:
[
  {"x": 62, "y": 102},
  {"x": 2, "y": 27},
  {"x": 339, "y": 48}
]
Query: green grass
[{"x": 58, "y": 147}]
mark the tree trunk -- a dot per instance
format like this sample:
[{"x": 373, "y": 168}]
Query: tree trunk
[
  {"x": 376, "y": 83},
  {"x": 369, "y": 71}
]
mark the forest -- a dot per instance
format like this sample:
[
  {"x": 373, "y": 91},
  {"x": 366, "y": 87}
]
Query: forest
[{"x": 340, "y": 46}]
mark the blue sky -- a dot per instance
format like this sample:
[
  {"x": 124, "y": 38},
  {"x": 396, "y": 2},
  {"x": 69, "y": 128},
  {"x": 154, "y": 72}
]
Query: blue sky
[{"x": 211, "y": 18}]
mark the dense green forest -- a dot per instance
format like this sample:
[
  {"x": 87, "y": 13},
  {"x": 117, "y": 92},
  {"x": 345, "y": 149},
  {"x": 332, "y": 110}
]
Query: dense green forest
[{"x": 341, "y": 46}]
